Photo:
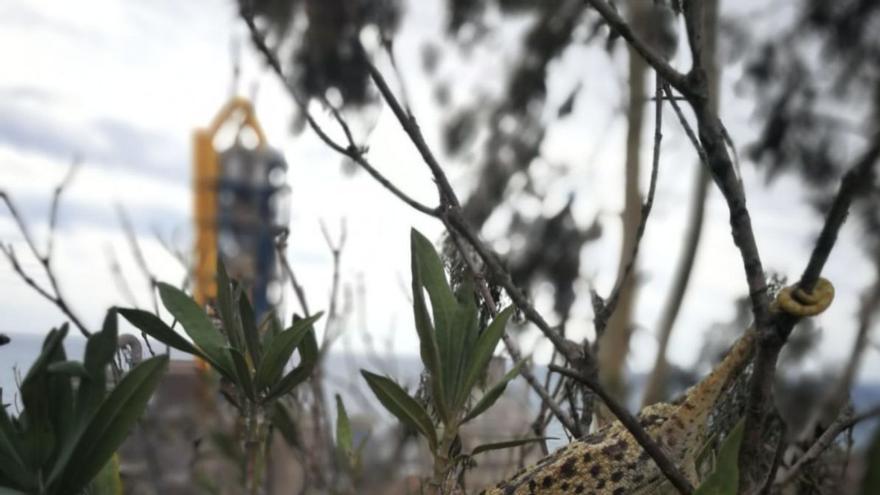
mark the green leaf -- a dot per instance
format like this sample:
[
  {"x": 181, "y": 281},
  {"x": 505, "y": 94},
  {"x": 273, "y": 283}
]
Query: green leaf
[
  {"x": 153, "y": 326},
  {"x": 484, "y": 347},
  {"x": 463, "y": 335},
  {"x": 289, "y": 381},
  {"x": 344, "y": 442},
  {"x": 724, "y": 480},
  {"x": 243, "y": 374},
  {"x": 308, "y": 350},
  {"x": 227, "y": 308},
  {"x": 10, "y": 491},
  {"x": 280, "y": 417},
  {"x": 249, "y": 327},
  {"x": 38, "y": 446},
  {"x": 492, "y": 395},
  {"x": 871, "y": 480},
  {"x": 70, "y": 368},
  {"x": 100, "y": 349},
  {"x": 110, "y": 425},
  {"x": 429, "y": 346},
  {"x": 400, "y": 404},
  {"x": 108, "y": 481},
  {"x": 508, "y": 444},
  {"x": 194, "y": 321},
  {"x": 282, "y": 347},
  {"x": 11, "y": 463},
  {"x": 269, "y": 327},
  {"x": 431, "y": 276}
]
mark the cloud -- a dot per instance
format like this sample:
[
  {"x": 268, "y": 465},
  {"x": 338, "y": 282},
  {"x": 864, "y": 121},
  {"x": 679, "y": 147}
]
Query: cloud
[{"x": 29, "y": 124}]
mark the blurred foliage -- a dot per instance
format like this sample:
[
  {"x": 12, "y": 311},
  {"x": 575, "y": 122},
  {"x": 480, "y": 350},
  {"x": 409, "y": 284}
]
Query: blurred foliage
[
  {"x": 323, "y": 36},
  {"x": 818, "y": 86},
  {"x": 64, "y": 439}
]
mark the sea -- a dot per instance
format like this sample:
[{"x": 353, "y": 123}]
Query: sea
[{"x": 342, "y": 371}]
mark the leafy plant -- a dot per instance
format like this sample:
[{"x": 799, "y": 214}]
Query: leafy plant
[
  {"x": 252, "y": 359},
  {"x": 724, "y": 479},
  {"x": 254, "y": 364},
  {"x": 349, "y": 455},
  {"x": 455, "y": 352},
  {"x": 64, "y": 439}
]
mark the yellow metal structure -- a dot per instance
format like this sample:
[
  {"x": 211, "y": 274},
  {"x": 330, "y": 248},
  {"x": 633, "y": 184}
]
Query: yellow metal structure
[{"x": 206, "y": 173}]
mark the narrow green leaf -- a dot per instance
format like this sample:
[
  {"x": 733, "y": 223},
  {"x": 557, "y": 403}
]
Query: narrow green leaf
[
  {"x": 249, "y": 327},
  {"x": 308, "y": 350},
  {"x": 724, "y": 480},
  {"x": 193, "y": 319},
  {"x": 110, "y": 425},
  {"x": 463, "y": 336},
  {"x": 283, "y": 345},
  {"x": 70, "y": 368},
  {"x": 344, "y": 442},
  {"x": 401, "y": 405},
  {"x": 289, "y": 381},
  {"x": 100, "y": 349},
  {"x": 269, "y": 327},
  {"x": 492, "y": 395},
  {"x": 108, "y": 481},
  {"x": 11, "y": 463},
  {"x": 484, "y": 347},
  {"x": 226, "y": 306},
  {"x": 871, "y": 479},
  {"x": 280, "y": 417},
  {"x": 432, "y": 277},
  {"x": 243, "y": 373},
  {"x": 153, "y": 326},
  {"x": 486, "y": 447},
  {"x": 39, "y": 444},
  {"x": 10, "y": 491},
  {"x": 429, "y": 347}
]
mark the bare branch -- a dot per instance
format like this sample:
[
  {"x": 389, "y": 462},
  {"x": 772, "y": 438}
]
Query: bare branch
[
  {"x": 607, "y": 309},
  {"x": 620, "y": 26},
  {"x": 139, "y": 257},
  {"x": 351, "y": 150},
  {"x": 281, "y": 249},
  {"x": 121, "y": 282},
  {"x": 56, "y": 198},
  {"x": 843, "y": 422},
  {"x": 330, "y": 333},
  {"x": 54, "y": 296}
]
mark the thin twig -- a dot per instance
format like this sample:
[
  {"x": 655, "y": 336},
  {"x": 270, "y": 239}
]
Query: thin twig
[
  {"x": 138, "y": 254},
  {"x": 619, "y": 26},
  {"x": 121, "y": 282},
  {"x": 843, "y": 421},
  {"x": 56, "y": 198},
  {"x": 854, "y": 183},
  {"x": 688, "y": 130},
  {"x": 54, "y": 296},
  {"x": 601, "y": 319},
  {"x": 669, "y": 469},
  {"x": 281, "y": 249},
  {"x": 336, "y": 252},
  {"x": 350, "y": 150}
]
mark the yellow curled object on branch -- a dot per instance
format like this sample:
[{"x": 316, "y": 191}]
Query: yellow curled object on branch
[{"x": 798, "y": 302}]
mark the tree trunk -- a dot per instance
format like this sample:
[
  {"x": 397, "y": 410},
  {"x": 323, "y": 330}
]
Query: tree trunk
[
  {"x": 614, "y": 343},
  {"x": 656, "y": 388}
]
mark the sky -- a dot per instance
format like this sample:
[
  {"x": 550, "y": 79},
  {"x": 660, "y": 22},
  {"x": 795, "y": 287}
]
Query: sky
[{"x": 120, "y": 86}]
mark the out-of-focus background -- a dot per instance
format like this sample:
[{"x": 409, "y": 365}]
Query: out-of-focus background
[{"x": 528, "y": 107}]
